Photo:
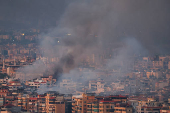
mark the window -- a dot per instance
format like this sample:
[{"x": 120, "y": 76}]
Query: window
[{"x": 88, "y": 105}]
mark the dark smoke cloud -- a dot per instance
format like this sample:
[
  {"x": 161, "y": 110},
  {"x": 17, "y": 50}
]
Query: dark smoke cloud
[{"x": 65, "y": 62}]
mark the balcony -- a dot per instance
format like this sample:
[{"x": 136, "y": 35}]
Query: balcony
[{"x": 95, "y": 106}]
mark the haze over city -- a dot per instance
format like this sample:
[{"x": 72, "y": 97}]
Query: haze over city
[{"x": 77, "y": 56}]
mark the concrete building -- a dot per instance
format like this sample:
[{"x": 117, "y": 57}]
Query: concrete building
[{"x": 80, "y": 102}]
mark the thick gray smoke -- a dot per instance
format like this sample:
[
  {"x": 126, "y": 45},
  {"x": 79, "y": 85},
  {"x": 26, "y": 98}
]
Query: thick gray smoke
[
  {"x": 99, "y": 27},
  {"x": 123, "y": 62}
]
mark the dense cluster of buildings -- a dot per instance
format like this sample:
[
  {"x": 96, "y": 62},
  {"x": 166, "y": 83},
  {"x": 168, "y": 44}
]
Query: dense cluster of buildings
[
  {"x": 53, "y": 102},
  {"x": 145, "y": 81},
  {"x": 32, "y": 97}
]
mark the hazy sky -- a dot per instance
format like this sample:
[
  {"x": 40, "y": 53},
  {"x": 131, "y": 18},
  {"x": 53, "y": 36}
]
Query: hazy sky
[
  {"x": 30, "y": 12},
  {"x": 146, "y": 20}
]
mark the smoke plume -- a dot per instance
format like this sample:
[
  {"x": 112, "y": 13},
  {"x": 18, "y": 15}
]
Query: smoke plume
[{"x": 101, "y": 28}]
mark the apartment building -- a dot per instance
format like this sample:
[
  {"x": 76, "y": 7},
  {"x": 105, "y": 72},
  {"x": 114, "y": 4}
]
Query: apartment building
[
  {"x": 79, "y": 104},
  {"x": 89, "y": 103}
]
